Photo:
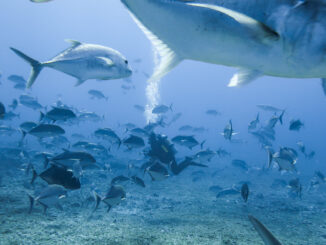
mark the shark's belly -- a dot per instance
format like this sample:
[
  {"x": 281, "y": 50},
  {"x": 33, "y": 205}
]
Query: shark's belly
[{"x": 204, "y": 35}]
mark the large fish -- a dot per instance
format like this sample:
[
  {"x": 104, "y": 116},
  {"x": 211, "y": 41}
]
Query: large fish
[
  {"x": 83, "y": 61},
  {"x": 281, "y": 38}
]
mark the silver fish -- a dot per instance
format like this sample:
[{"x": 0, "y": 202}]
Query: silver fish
[{"x": 83, "y": 61}]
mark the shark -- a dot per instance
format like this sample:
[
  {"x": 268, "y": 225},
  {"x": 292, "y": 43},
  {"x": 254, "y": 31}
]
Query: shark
[{"x": 279, "y": 38}]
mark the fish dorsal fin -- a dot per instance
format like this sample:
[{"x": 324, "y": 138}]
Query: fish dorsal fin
[
  {"x": 323, "y": 84},
  {"x": 73, "y": 43},
  {"x": 244, "y": 76},
  {"x": 106, "y": 60},
  {"x": 264, "y": 33},
  {"x": 165, "y": 60}
]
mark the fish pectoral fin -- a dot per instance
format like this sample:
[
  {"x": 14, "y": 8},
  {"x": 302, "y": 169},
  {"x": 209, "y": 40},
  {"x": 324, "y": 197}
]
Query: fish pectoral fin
[
  {"x": 260, "y": 30},
  {"x": 73, "y": 43},
  {"x": 244, "y": 76},
  {"x": 323, "y": 84},
  {"x": 79, "y": 82},
  {"x": 105, "y": 61}
]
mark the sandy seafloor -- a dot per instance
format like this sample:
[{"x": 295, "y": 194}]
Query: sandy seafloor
[{"x": 175, "y": 211}]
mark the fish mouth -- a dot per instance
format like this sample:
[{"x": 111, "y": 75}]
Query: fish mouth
[{"x": 128, "y": 72}]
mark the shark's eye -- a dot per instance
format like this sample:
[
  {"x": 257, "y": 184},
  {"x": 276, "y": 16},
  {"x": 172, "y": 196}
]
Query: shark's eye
[{"x": 126, "y": 61}]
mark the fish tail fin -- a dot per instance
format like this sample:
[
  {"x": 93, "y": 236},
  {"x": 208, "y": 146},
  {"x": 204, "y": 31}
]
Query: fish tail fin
[
  {"x": 45, "y": 207},
  {"x": 34, "y": 176},
  {"x": 41, "y": 116},
  {"x": 36, "y": 66},
  {"x": 31, "y": 203},
  {"x": 21, "y": 142},
  {"x": 109, "y": 208},
  {"x": 46, "y": 161},
  {"x": 97, "y": 201},
  {"x": 281, "y": 117},
  {"x": 23, "y": 134},
  {"x": 202, "y": 144},
  {"x": 119, "y": 144},
  {"x": 171, "y": 107}
]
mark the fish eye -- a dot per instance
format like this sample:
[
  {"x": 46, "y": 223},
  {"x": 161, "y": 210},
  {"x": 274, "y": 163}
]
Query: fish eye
[{"x": 126, "y": 61}]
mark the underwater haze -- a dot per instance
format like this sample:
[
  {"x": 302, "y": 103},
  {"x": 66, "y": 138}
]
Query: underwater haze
[{"x": 110, "y": 161}]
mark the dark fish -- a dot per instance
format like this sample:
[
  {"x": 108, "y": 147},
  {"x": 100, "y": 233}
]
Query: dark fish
[
  {"x": 112, "y": 198},
  {"x": 48, "y": 196},
  {"x": 240, "y": 164},
  {"x": 295, "y": 125},
  {"x": 58, "y": 114},
  {"x": 14, "y": 104},
  {"x": 119, "y": 179},
  {"x": 60, "y": 176},
  {"x": 17, "y": 79},
  {"x": 45, "y": 130},
  {"x": 222, "y": 153},
  {"x": 134, "y": 141},
  {"x": 186, "y": 128},
  {"x": 187, "y": 141},
  {"x": 161, "y": 109},
  {"x": 27, "y": 126},
  {"x": 137, "y": 181},
  {"x": 139, "y": 108},
  {"x": 228, "y": 131},
  {"x": 212, "y": 112},
  {"x": 157, "y": 172},
  {"x": 245, "y": 192},
  {"x": 320, "y": 175},
  {"x": 269, "y": 108}
]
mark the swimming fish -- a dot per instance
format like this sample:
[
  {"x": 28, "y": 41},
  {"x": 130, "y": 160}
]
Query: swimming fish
[
  {"x": 113, "y": 197},
  {"x": 83, "y": 61},
  {"x": 48, "y": 195}
]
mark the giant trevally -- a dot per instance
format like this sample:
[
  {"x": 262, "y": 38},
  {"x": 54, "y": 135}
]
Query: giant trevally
[
  {"x": 45, "y": 130},
  {"x": 281, "y": 38},
  {"x": 83, "y": 61}
]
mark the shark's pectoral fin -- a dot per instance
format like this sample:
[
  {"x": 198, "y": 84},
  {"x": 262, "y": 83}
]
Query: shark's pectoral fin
[
  {"x": 323, "y": 84},
  {"x": 244, "y": 76},
  {"x": 264, "y": 33},
  {"x": 165, "y": 60}
]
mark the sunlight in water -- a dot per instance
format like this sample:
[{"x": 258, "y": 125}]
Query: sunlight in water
[{"x": 153, "y": 97}]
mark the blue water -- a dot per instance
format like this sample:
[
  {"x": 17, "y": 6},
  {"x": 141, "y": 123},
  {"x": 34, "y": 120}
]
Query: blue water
[{"x": 192, "y": 87}]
